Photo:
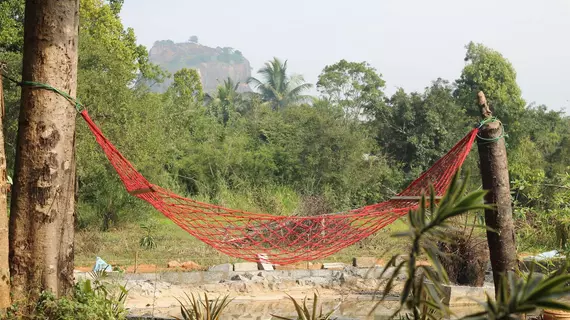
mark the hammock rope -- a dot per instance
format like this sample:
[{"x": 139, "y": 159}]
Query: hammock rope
[
  {"x": 281, "y": 239},
  {"x": 275, "y": 239}
]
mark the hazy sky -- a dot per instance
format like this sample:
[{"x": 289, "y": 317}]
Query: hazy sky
[{"x": 410, "y": 42}]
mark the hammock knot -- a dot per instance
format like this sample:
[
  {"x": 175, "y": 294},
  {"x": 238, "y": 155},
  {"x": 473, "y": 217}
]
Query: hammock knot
[{"x": 482, "y": 140}]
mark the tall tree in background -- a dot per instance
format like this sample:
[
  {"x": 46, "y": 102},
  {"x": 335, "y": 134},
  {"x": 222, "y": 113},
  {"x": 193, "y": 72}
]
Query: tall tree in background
[
  {"x": 226, "y": 101},
  {"x": 43, "y": 204},
  {"x": 187, "y": 86},
  {"x": 354, "y": 86},
  {"x": 11, "y": 21},
  {"x": 488, "y": 71},
  {"x": 277, "y": 87},
  {"x": 415, "y": 133}
]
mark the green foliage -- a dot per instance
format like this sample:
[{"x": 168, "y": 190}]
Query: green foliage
[
  {"x": 95, "y": 299},
  {"x": 303, "y": 312},
  {"x": 277, "y": 87},
  {"x": 193, "y": 309},
  {"x": 187, "y": 86},
  {"x": 519, "y": 296},
  {"x": 11, "y": 25},
  {"x": 351, "y": 147},
  {"x": 418, "y": 129},
  {"x": 107, "y": 49},
  {"x": 539, "y": 170},
  {"x": 426, "y": 226},
  {"x": 490, "y": 72},
  {"x": 422, "y": 293},
  {"x": 148, "y": 240},
  {"x": 227, "y": 103},
  {"x": 229, "y": 55},
  {"x": 356, "y": 87}
]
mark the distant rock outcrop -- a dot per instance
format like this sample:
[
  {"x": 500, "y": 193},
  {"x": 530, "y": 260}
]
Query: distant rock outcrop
[{"x": 213, "y": 64}]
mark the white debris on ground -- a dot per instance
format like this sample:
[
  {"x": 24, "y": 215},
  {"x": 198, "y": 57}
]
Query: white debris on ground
[{"x": 547, "y": 255}]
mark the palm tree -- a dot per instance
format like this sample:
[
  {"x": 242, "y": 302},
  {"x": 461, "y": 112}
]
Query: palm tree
[
  {"x": 227, "y": 100},
  {"x": 277, "y": 87}
]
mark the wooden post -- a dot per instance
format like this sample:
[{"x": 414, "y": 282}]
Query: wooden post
[
  {"x": 5, "y": 300},
  {"x": 136, "y": 260},
  {"x": 495, "y": 177}
]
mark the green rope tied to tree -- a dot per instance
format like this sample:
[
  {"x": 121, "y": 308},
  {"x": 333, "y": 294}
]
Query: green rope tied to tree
[
  {"x": 75, "y": 102},
  {"x": 482, "y": 140}
]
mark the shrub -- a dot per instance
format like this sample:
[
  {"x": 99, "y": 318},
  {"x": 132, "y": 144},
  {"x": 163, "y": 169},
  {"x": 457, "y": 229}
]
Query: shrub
[
  {"x": 91, "y": 300},
  {"x": 464, "y": 256},
  {"x": 203, "y": 310}
]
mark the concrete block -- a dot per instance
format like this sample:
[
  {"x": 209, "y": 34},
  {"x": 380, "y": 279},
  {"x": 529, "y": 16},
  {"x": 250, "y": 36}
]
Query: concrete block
[
  {"x": 322, "y": 273},
  {"x": 171, "y": 277},
  {"x": 457, "y": 296},
  {"x": 245, "y": 266},
  {"x": 296, "y": 274},
  {"x": 333, "y": 265},
  {"x": 290, "y": 274},
  {"x": 365, "y": 262},
  {"x": 263, "y": 262},
  {"x": 192, "y": 277},
  {"x": 257, "y": 279},
  {"x": 141, "y": 276},
  {"x": 265, "y": 266},
  {"x": 465, "y": 296},
  {"x": 213, "y": 277},
  {"x": 315, "y": 265},
  {"x": 300, "y": 266},
  {"x": 294, "y": 266},
  {"x": 226, "y": 267},
  {"x": 373, "y": 273},
  {"x": 314, "y": 281},
  {"x": 279, "y": 274}
]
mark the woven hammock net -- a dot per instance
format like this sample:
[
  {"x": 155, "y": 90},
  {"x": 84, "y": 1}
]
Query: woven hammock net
[{"x": 281, "y": 240}]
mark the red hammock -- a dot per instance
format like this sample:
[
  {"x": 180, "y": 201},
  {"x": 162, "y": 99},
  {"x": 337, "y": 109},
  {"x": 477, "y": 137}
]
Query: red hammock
[{"x": 281, "y": 239}]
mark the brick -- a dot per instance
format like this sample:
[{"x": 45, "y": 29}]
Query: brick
[
  {"x": 333, "y": 265},
  {"x": 245, "y": 266},
  {"x": 226, "y": 267}
]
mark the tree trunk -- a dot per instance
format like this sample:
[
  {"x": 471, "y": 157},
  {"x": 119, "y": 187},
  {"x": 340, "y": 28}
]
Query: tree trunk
[
  {"x": 495, "y": 177},
  {"x": 4, "y": 265},
  {"x": 43, "y": 204}
]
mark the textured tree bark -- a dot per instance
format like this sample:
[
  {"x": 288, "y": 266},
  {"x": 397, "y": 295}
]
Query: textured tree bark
[
  {"x": 495, "y": 177},
  {"x": 5, "y": 300},
  {"x": 43, "y": 205}
]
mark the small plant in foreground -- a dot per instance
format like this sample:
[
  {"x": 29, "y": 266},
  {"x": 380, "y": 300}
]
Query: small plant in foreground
[
  {"x": 303, "y": 312},
  {"x": 522, "y": 295},
  {"x": 91, "y": 300},
  {"x": 422, "y": 292},
  {"x": 148, "y": 241},
  {"x": 426, "y": 226},
  {"x": 203, "y": 310}
]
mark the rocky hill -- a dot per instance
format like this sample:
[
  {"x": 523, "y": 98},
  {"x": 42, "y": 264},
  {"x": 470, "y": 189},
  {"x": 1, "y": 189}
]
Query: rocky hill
[{"x": 213, "y": 64}]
